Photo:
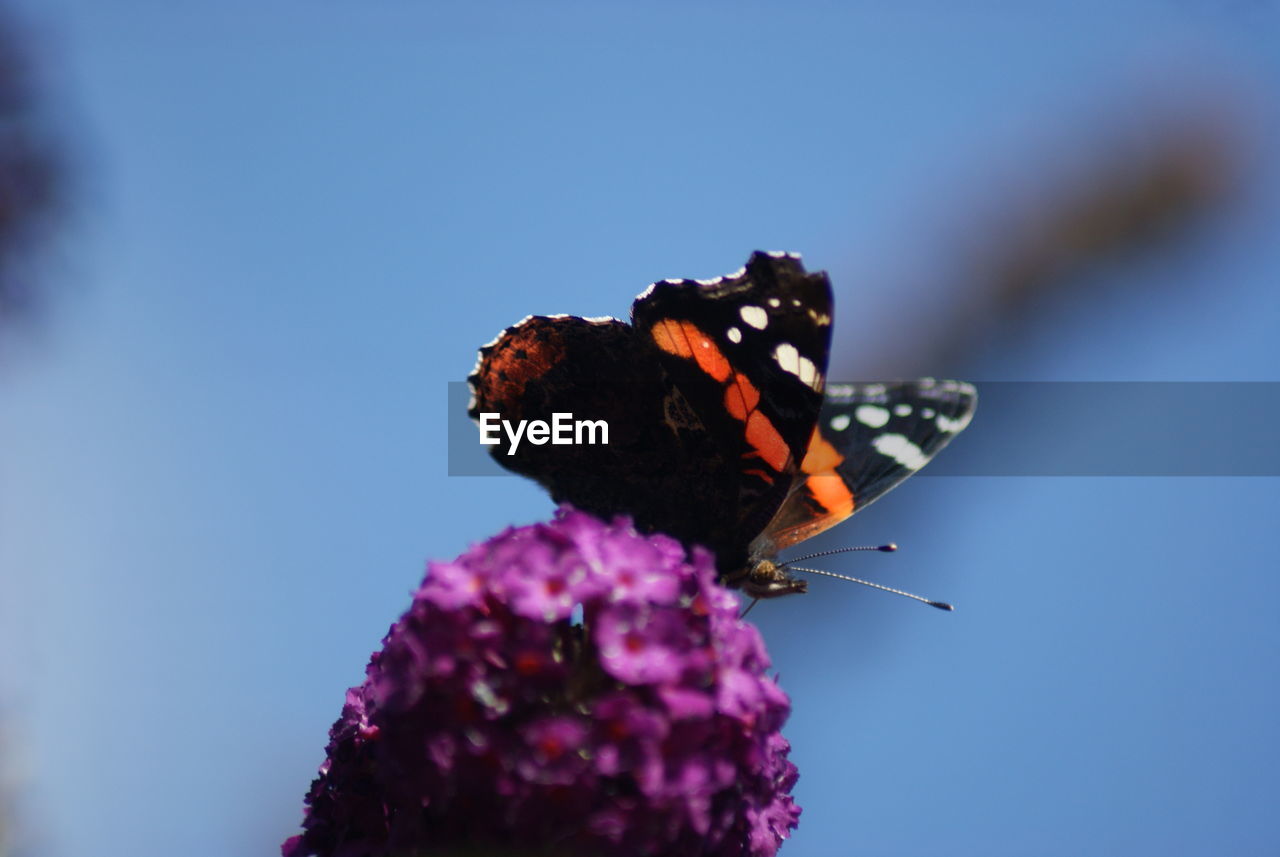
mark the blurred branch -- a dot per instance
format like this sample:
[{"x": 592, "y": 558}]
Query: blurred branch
[
  {"x": 31, "y": 202},
  {"x": 1130, "y": 204},
  {"x": 32, "y": 176},
  {"x": 1127, "y": 199}
]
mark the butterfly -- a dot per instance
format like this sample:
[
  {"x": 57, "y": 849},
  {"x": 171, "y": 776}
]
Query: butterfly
[{"x": 722, "y": 429}]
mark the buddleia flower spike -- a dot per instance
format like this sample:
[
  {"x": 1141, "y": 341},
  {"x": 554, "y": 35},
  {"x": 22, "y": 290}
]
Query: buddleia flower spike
[{"x": 568, "y": 688}]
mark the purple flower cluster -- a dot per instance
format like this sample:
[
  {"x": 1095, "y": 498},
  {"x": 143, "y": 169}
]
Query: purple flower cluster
[{"x": 493, "y": 722}]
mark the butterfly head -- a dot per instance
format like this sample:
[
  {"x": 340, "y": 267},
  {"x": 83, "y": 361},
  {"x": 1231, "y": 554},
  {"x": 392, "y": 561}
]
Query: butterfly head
[{"x": 765, "y": 578}]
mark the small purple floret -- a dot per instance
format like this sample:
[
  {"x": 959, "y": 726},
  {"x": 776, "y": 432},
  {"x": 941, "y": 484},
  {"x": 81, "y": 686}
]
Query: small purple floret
[{"x": 491, "y": 723}]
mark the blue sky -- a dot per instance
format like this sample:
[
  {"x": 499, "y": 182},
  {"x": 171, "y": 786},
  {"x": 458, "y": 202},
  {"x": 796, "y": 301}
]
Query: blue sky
[{"x": 225, "y": 463}]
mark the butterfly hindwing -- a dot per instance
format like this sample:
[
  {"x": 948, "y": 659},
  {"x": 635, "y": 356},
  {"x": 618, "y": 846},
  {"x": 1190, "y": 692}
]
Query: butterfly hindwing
[
  {"x": 535, "y": 370},
  {"x": 868, "y": 439}
]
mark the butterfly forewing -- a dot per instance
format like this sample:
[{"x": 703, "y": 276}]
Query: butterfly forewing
[
  {"x": 746, "y": 354},
  {"x": 766, "y": 328}
]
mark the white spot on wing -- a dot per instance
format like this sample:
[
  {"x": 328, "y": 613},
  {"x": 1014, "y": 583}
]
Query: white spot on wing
[
  {"x": 775, "y": 302},
  {"x": 901, "y": 450},
  {"x": 840, "y": 422},
  {"x": 872, "y": 416},
  {"x": 928, "y": 413},
  {"x": 947, "y": 424},
  {"x": 735, "y": 335},
  {"x": 791, "y": 360},
  {"x": 902, "y": 410},
  {"x": 788, "y": 358},
  {"x": 809, "y": 373},
  {"x": 755, "y": 316}
]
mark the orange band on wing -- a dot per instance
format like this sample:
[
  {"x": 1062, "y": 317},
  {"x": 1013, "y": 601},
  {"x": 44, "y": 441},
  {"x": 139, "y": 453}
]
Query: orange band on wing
[
  {"x": 668, "y": 336},
  {"x": 741, "y": 397},
  {"x": 821, "y": 455},
  {"x": 824, "y": 483},
  {"x": 683, "y": 339},
  {"x": 831, "y": 493},
  {"x": 764, "y": 438}
]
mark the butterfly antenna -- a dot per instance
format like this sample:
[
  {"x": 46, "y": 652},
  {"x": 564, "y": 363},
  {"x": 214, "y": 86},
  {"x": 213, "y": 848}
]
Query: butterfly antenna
[
  {"x": 941, "y": 605},
  {"x": 889, "y": 548}
]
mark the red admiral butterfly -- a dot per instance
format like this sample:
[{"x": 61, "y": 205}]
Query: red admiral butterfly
[{"x": 722, "y": 431}]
